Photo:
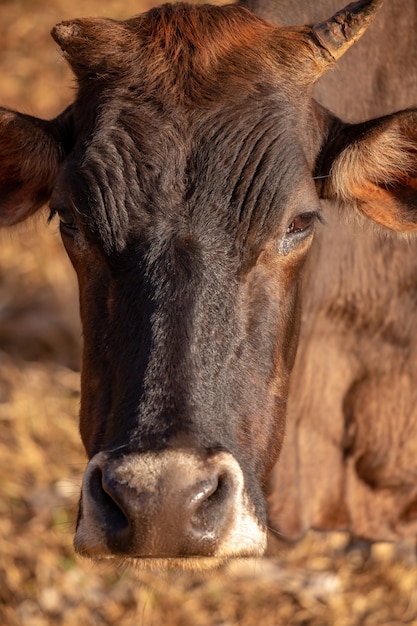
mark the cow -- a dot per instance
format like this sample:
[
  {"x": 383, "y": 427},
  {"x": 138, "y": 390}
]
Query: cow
[{"x": 188, "y": 178}]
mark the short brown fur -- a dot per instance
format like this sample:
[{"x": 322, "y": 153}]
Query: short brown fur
[{"x": 189, "y": 52}]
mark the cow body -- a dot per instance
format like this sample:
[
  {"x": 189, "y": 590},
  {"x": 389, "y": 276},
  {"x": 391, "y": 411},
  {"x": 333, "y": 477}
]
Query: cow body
[
  {"x": 186, "y": 177},
  {"x": 349, "y": 454}
]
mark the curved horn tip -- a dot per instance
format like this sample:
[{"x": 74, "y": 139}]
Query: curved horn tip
[
  {"x": 343, "y": 29},
  {"x": 64, "y": 32}
]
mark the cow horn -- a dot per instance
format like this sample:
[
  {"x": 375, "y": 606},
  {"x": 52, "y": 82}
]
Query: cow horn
[
  {"x": 93, "y": 44},
  {"x": 335, "y": 35}
]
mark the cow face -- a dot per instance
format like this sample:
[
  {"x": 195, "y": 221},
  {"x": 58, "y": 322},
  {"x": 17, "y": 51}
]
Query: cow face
[
  {"x": 187, "y": 208},
  {"x": 182, "y": 179}
]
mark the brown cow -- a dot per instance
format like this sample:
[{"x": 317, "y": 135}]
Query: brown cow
[{"x": 184, "y": 179}]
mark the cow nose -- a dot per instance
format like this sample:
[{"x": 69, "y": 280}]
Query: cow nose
[
  {"x": 167, "y": 504},
  {"x": 129, "y": 514}
]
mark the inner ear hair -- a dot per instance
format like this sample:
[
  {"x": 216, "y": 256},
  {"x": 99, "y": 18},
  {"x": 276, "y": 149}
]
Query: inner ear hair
[
  {"x": 374, "y": 167},
  {"x": 383, "y": 159}
]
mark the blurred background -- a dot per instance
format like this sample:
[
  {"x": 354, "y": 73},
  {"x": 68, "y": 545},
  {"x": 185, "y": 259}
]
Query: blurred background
[{"x": 322, "y": 580}]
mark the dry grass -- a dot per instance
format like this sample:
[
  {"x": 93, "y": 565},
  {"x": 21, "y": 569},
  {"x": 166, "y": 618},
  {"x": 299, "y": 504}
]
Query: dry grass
[{"x": 41, "y": 459}]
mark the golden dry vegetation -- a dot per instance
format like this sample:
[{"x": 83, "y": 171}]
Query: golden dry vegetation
[{"x": 320, "y": 581}]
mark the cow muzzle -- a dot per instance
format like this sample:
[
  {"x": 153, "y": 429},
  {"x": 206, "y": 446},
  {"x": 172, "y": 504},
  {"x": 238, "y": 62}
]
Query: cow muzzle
[{"x": 173, "y": 504}]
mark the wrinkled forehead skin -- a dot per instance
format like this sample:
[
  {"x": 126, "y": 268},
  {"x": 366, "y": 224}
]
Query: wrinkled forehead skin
[
  {"x": 195, "y": 117},
  {"x": 195, "y": 146}
]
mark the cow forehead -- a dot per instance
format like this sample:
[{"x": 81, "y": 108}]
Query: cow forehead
[{"x": 221, "y": 170}]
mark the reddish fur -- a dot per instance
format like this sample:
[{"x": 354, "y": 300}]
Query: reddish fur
[{"x": 188, "y": 51}]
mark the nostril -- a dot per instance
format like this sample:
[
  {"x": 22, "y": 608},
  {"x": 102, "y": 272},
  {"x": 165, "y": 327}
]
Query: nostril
[
  {"x": 104, "y": 494},
  {"x": 218, "y": 493},
  {"x": 209, "y": 503}
]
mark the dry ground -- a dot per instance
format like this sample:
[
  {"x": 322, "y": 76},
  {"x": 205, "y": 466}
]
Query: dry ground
[{"x": 316, "y": 583}]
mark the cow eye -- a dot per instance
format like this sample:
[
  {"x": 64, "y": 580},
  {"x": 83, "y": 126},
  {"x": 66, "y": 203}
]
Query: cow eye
[
  {"x": 302, "y": 222},
  {"x": 67, "y": 222},
  {"x": 66, "y": 219}
]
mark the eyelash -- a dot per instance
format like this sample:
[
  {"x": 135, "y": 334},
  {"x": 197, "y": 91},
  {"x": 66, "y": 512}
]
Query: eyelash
[{"x": 51, "y": 215}]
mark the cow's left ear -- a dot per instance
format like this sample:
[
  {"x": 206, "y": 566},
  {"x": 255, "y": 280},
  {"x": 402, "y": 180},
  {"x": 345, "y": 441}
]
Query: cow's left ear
[
  {"x": 374, "y": 166},
  {"x": 31, "y": 152}
]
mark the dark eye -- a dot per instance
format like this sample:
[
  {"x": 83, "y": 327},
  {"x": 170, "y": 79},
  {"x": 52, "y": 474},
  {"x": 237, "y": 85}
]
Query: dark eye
[
  {"x": 66, "y": 220},
  {"x": 302, "y": 222},
  {"x": 67, "y": 223}
]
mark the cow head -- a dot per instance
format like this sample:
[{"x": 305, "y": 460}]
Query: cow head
[{"x": 186, "y": 178}]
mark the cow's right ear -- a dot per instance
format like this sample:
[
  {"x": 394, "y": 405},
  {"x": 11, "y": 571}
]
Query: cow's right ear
[{"x": 31, "y": 152}]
